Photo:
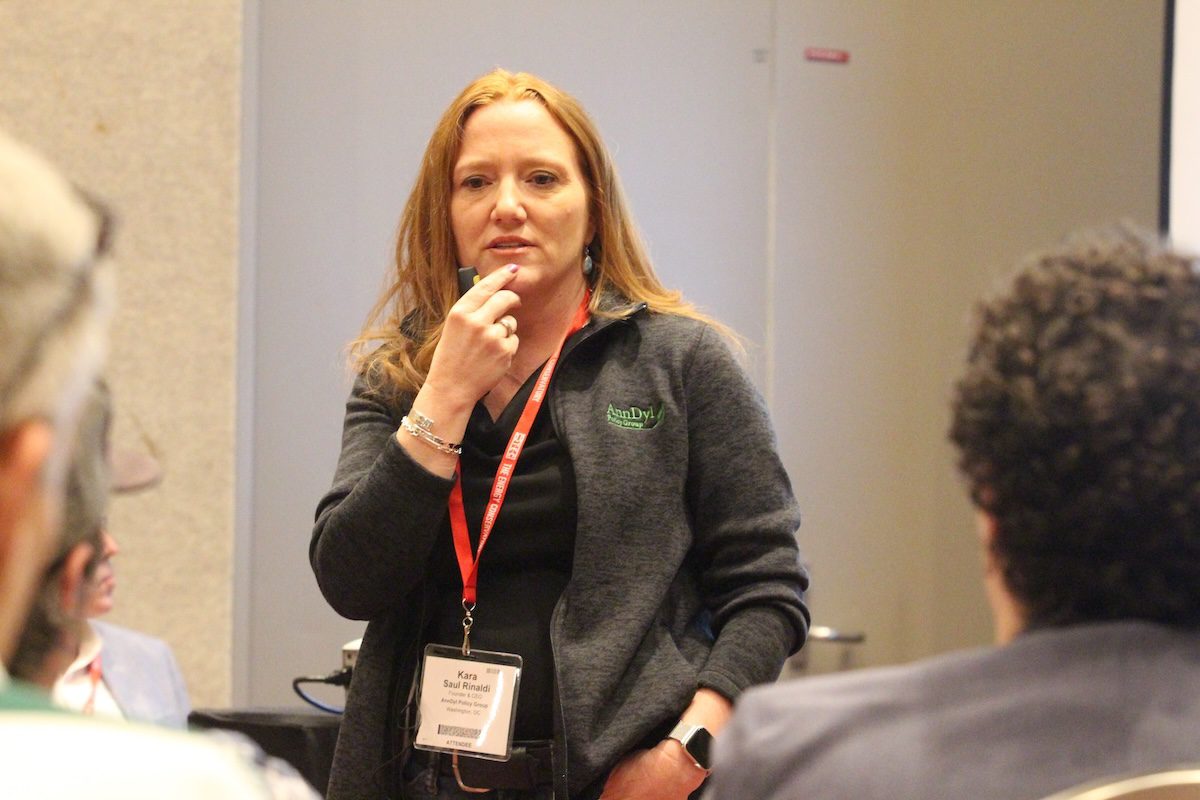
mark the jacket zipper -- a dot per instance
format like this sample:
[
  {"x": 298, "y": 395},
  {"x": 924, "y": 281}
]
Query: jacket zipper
[{"x": 560, "y": 716}]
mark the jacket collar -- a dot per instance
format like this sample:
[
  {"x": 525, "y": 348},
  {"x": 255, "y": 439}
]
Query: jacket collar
[{"x": 614, "y": 309}]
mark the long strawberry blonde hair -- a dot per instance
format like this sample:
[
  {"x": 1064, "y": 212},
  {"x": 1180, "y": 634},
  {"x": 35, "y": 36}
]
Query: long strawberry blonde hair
[{"x": 396, "y": 345}]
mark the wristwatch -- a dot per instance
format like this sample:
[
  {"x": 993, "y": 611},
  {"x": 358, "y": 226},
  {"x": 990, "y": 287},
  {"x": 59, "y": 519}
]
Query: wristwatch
[{"x": 697, "y": 743}]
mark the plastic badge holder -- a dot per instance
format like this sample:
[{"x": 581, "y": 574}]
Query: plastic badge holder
[{"x": 468, "y": 703}]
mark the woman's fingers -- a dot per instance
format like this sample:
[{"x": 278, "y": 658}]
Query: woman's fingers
[
  {"x": 479, "y": 339},
  {"x": 487, "y": 301},
  {"x": 481, "y": 293},
  {"x": 496, "y": 306},
  {"x": 509, "y": 323}
]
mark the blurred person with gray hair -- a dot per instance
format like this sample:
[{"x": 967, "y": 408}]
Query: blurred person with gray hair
[
  {"x": 55, "y": 290},
  {"x": 55, "y": 299},
  {"x": 56, "y": 624}
]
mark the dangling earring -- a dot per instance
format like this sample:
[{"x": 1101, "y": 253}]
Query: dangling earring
[{"x": 588, "y": 266}]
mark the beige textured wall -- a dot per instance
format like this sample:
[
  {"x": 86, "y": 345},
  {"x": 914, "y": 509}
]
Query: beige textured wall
[{"x": 139, "y": 102}]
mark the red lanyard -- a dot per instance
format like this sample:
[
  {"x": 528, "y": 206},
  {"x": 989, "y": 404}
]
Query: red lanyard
[
  {"x": 468, "y": 566},
  {"x": 94, "y": 675}
]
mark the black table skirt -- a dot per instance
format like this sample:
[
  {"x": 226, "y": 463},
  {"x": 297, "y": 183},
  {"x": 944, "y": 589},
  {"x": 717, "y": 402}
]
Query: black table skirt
[{"x": 305, "y": 739}]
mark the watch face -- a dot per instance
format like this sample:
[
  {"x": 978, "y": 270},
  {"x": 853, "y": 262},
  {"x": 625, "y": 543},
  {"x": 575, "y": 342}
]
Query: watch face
[{"x": 699, "y": 744}]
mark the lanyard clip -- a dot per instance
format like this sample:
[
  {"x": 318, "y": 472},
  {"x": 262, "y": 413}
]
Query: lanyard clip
[{"x": 467, "y": 622}]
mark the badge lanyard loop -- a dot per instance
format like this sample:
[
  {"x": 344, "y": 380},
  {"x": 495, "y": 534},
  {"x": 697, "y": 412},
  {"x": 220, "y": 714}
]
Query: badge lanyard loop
[{"x": 468, "y": 565}]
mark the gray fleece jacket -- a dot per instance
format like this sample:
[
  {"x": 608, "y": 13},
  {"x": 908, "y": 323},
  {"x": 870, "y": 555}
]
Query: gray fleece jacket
[{"x": 686, "y": 571}]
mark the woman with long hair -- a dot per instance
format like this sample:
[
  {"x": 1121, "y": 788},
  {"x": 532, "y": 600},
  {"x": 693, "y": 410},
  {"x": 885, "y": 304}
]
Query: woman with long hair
[{"x": 626, "y": 552}]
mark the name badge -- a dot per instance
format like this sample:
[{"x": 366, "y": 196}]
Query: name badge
[{"x": 468, "y": 703}]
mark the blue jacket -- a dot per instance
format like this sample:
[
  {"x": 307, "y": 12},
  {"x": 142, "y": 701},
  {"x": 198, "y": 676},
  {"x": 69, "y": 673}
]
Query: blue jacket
[{"x": 143, "y": 676}]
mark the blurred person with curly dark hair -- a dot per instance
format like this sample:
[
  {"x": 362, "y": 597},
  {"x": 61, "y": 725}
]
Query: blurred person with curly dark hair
[{"x": 1078, "y": 426}]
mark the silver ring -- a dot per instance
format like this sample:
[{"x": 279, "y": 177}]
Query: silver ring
[{"x": 509, "y": 326}]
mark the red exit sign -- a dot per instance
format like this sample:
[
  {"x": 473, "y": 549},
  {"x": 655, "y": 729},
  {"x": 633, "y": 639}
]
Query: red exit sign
[{"x": 829, "y": 55}]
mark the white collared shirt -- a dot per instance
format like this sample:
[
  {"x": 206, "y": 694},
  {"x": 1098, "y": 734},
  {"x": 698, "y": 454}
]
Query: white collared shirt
[{"x": 79, "y": 689}]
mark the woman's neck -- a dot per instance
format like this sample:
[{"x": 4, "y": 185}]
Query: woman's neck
[{"x": 542, "y": 324}]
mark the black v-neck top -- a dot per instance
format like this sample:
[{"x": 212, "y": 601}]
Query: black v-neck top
[{"x": 527, "y": 560}]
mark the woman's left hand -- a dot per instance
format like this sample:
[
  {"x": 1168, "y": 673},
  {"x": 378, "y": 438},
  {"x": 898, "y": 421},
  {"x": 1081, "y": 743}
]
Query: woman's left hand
[{"x": 664, "y": 772}]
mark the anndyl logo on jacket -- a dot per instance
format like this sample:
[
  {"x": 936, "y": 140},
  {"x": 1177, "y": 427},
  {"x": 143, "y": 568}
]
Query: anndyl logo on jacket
[{"x": 641, "y": 419}]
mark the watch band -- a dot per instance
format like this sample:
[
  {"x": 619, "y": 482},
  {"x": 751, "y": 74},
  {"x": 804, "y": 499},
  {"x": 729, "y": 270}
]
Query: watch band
[{"x": 697, "y": 743}]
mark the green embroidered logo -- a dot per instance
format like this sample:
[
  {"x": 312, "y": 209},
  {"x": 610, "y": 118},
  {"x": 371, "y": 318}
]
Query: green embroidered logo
[{"x": 638, "y": 419}]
